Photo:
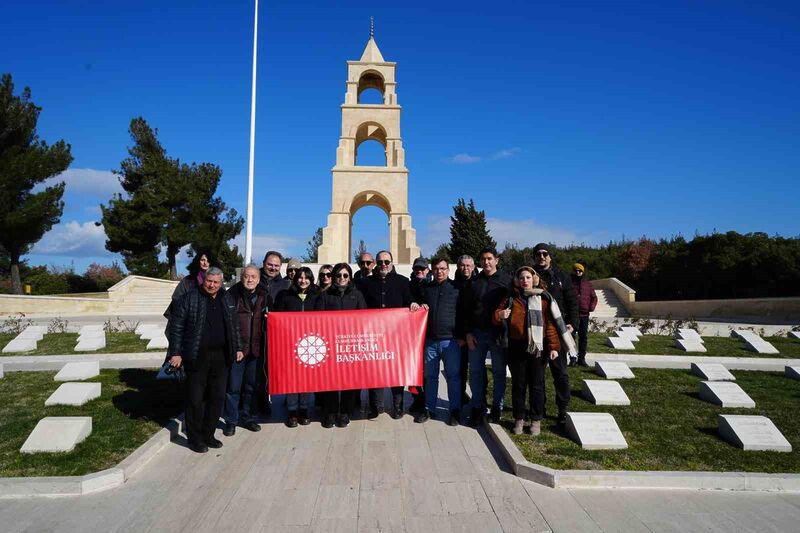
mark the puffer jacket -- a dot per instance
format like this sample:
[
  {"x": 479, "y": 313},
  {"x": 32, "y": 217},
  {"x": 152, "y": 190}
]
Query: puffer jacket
[
  {"x": 334, "y": 299},
  {"x": 187, "y": 322},
  {"x": 587, "y": 299},
  {"x": 444, "y": 304},
  {"x": 252, "y": 325},
  {"x": 517, "y": 322}
]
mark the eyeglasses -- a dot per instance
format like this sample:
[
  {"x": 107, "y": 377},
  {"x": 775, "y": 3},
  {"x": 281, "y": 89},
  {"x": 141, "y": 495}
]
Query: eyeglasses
[
  {"x": 342, "y": 275},
  {"x": 420, "y": 269},
  {"x": 579, "y": 270},
  {"x": 325, "y": 275},
  {"x": 365, "y": 263},
  {"x": 384, "y": 262},
  {"x": 291, "y": 270},
  {"x": 542, "y": 254}
]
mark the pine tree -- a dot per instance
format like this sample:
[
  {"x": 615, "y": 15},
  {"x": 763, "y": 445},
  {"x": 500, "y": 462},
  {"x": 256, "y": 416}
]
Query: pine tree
[
  {"x": 26, "y": 161},
  {"x": 362, "y": 249},
  {"x": 468, "y": 233},
  {"x": 312, "y": 248}
]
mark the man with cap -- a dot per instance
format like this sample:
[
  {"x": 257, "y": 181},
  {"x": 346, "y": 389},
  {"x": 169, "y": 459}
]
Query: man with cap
[
  {"x": 559, "y": 285},
  {"x": 292, "y": 267},
  {"x": 419, "y": 278},
  {"x": 587, "y": 301}
]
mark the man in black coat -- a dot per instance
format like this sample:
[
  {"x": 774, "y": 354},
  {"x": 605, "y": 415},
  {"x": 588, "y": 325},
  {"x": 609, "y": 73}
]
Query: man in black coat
[
  {"x": 272, "y": 283},
  {"x": 386, "y": 289},
  {"x": 205, "y": 339},
  {"x": 465, "y": 272},
  {"x": 559, "y": 285}
]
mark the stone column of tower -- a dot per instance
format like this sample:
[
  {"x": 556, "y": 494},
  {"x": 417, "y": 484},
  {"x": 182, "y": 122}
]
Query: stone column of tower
[{"x": 357, "y": 186}]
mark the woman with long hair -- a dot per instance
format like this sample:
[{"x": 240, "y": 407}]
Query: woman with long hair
[
  {"x": 201, "y": 262},
  {"x": 341, "y": 296},
  {"x": 325, "y": 277},
  {"x": 301, "y": 295}
]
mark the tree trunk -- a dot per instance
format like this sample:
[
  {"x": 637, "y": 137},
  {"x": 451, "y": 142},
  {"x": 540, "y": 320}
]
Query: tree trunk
[
  {"x": 16, "y": 284},
  {"x": 173, "y": 269}
]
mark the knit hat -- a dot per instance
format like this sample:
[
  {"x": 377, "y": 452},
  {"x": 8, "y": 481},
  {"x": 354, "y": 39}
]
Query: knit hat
[
  {"x": 293, "y": 263},
  {"x": 420, "y": 262},
  {"x": 540, "y": 246},
  {"x": 578, "y": 266}
]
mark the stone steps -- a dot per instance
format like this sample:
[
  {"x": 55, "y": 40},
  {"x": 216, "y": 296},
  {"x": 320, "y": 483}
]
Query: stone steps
[{"x": 608, "y": 305}]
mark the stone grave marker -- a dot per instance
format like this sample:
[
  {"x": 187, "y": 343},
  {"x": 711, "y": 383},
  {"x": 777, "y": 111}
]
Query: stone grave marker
[
  {"x": 161, "y": 342},
  {"x": 792, "y": 372},
  {"x": 74, "y": 394},
  {"x": 688, "y": 334},
  {"x": 690, "y": 345},
  {"x": 755, "y": 343},
  {"x": 20, "y": 345},
  {"x": 602, "y": 392},
  {"x": 141, "y": 327},
  {"x": 751, "y": 432},
  {"x": 613, "y": 370},
  {"x": 632, "y": 329},
  {"x": 620, "y": 343},
  {"x": 794, "y": 334},
  {"x": 33, "y": 332},
  {"x": 630, "y": 335},
  {"x": 151, "y": 333},
  {"x": 725, "y": 394},
  {"x": 78, "y": 371},
  {"x": 95, "y": 329},
  {"x": 90, "y": 344},
  {"x": 57, "y": 434},
  {"x": 2, "y": 374},
  {"x": 595, "y": 431},
  {"x": 712, "y": 372}
]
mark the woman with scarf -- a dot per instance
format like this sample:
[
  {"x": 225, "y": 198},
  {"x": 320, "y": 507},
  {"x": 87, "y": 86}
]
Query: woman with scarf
[
  {"x": 535, "y": 333},
  {"x": 301, "y": 295},
  {"x": 341, "y": 296}
]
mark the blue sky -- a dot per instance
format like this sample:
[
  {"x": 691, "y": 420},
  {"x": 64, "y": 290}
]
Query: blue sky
[{"x": 567, "y": 122}]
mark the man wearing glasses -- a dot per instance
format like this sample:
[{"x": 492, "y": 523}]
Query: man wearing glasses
[
  {"x": 386, "y": 289},
  {"x": 559, "y": 285},
  {"x": 292, "y": 267},
  {"x": 365, "y": 266},
  {"x": 272, "y": 283}
]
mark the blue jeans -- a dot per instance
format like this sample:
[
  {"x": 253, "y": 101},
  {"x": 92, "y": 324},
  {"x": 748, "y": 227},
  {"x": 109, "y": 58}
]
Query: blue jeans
[
  {"x": 295, "y": 401},
  {"x": 240, "y": 392},
  {"x": 449, "y": 352},
  {"x": 477, "y": 370}
]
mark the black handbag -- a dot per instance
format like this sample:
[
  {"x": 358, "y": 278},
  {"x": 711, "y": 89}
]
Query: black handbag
[{"x": 171, "y": 373}]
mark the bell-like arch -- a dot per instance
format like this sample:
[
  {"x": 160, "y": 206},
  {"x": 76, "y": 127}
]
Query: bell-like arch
[
  {"x": 371, "y": 131},
  {"x": 371, "y": 79},
  {"x": 369, "y": 199}
]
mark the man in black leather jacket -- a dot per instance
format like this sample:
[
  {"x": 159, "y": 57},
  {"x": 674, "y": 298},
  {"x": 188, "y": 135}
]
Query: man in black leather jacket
[{"x": 204, "y": 338}]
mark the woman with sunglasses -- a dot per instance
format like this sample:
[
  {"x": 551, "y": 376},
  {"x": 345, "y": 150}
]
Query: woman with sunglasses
[
  {"x": 301, "y": 295},
  {"x": 342, "y": 296},
  {"x": 325, "y": 279}
]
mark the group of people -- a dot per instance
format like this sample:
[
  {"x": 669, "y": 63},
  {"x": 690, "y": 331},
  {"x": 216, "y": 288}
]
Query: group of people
[{"x": 525, "y": 322}]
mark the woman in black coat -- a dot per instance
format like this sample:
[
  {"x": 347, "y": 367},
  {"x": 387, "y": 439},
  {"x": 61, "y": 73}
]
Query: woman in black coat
[
  {"x": 301, "y": 295},
  {"x": 341, "y": 296}
]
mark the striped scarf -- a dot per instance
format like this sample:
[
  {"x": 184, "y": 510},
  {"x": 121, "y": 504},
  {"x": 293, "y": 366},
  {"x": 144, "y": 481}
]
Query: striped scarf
[{"x": 535, "y": 320}]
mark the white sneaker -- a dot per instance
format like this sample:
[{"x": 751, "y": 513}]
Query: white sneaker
[{"x": 518, "y": 427}]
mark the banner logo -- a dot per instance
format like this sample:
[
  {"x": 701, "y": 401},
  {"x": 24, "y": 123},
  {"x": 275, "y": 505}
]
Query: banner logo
[{"x": 311, "y": 349}]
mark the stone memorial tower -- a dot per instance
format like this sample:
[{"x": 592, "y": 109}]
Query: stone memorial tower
[{"x": 357, "y": 186}]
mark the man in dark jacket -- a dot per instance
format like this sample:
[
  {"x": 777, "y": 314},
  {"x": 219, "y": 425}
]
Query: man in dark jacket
[
  {"x": 204, "y": 338},
  {"x": 465, "y": 272},
  {"x": 443, "y": 340},
  {"x": 386, "y": 289},
  {"x": 272, "y": 283},
  {"x": 240, "y": 398},
  {"x": 560, "y": 288},
  {"x": 587, "y": 301},
  {"x": 482, "y": 298},
  {"x": 420, "y": 275}
]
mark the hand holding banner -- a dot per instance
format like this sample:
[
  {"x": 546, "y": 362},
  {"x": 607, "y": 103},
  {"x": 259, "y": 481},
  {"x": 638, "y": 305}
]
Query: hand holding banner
[{"x": 343, "y": 350}]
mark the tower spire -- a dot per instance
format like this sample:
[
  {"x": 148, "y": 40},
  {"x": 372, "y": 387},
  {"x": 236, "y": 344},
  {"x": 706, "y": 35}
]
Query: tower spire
[{"x": 371, "y": 27}]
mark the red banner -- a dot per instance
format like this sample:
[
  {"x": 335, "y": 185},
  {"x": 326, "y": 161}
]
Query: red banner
[{"x": 342, "y": 350}]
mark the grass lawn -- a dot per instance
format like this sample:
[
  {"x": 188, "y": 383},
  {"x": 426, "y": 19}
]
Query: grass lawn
[
  {"x": 667, "y": 426},
  {"x": 716, "y": 346},
  {"x": 132, "y": 408},
  {"x": 64, "y": 344}
]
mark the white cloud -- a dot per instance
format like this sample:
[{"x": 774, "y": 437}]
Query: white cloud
[
  {"x": 463, "y": 159},
  {"x": 73, "y": 239},
  {"x": 527, "y": 233},
  {"x": 506, "y": 153},
  {"x": 97, "y": 183},
  {"x": 264, "y": 242}
]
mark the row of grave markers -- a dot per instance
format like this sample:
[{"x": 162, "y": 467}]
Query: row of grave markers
[
  {"x": 596, "y": 431},
  {"x": 90, "y": 338},
  {"x": 689, "y": 340}
]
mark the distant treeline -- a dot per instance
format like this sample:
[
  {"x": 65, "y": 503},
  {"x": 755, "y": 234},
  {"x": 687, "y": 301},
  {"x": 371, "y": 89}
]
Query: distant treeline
[{"x": 720, "y": 265}]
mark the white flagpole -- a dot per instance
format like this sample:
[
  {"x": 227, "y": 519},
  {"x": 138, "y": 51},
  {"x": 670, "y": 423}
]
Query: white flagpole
[{"x": 248, "y": 240}]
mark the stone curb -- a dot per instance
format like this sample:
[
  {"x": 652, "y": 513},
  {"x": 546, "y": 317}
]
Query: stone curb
[
  {"x": 37, "y": 363},
  {"x": 20, "y": 487},
  {"x": 623, "y": 479},
  {"x": 685, "y": 361}
]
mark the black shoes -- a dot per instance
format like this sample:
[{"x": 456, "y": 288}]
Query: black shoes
[
  {"x": 230, "y": 430},
  {"x": 214, "y": 443},
  {"x": 303, "y": 418},
  {"x": 476, "y": 418},
  {"x": 582, "y": 361},
  {"x": 291, "y": 420},
  {"x": 198, "y": 447},
  {"x": 397, "y": 413},
  {"x": 454, "y": 419},
  {"x": 418, "y": 405},
  {"x": 562, "y": 419},
  {"x": 494, "y": 415},
  {"x": 423, "y": 416},
  {"x": 327, "y": 421},
  {"x": 343, "y": 421},
  {"x": 252, "y": 426},
  {"x": 573, "y": 361},
  {"x": 373, "y": 413}
]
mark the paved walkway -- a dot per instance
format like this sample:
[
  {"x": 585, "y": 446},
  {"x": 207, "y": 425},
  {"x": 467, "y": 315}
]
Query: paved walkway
[{"x": 380, "y": 475}]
